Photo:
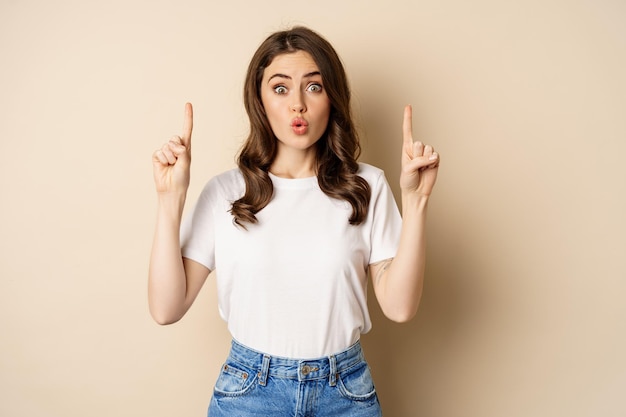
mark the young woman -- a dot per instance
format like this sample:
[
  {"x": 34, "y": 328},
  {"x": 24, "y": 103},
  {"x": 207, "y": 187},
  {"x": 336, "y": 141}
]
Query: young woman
[{"x": 292, "y": 234}]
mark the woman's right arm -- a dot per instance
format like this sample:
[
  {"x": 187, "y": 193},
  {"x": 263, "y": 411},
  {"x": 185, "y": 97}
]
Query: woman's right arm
[{"x": 173, "y": 281}]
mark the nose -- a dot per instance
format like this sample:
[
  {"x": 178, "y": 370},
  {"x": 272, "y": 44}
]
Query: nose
[
  {"x": 297, "y": 104},
  {"x": 298, "y": 108}
]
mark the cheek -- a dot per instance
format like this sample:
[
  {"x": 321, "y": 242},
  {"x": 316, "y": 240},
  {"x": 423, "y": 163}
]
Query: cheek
[
  {"x": 270, "y": 108},
  {"x": 264, "y": 102},
  {"x": 321, "y": 106}
]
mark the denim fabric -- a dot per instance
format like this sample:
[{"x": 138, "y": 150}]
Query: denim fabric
[{"x": 254, "y": 384}]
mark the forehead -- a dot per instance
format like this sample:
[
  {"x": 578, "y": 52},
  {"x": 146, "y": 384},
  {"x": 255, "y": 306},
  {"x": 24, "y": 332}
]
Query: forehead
[{"x": 292, "y": 64}]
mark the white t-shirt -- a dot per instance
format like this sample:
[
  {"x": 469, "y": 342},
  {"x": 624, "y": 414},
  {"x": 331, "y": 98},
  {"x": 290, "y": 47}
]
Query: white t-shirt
[{"x": 294, "y": 284}]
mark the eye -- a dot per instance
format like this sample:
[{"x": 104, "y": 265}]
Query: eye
[
  {"x": 280, "y": 89},
  {"x": 314, "y": 88}
]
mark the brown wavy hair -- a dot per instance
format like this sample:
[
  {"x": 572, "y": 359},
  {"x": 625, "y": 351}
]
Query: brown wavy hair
[{"x": 337, "y": 149}]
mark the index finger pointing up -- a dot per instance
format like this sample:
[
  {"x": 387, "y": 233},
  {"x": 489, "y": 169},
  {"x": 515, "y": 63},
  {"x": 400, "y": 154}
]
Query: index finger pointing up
[
  {"x": 187, "y": 125},
  {"x": 407, "y": 128}
]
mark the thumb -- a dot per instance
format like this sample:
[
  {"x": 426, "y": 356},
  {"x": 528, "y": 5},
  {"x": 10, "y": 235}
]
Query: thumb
[{"x": 425, "y": 161}]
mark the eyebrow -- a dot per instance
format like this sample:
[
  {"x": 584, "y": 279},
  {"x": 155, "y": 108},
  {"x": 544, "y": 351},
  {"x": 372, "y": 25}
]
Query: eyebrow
[{"x": 308, "y": 75}]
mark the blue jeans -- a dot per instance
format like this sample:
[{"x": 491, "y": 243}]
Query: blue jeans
[{"x": 254, "y": 384}]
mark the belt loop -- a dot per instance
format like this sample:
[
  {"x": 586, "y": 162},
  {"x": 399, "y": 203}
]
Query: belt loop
[
  {"x": 333, "y": 370},
  {"x": 264, "y": 370}
]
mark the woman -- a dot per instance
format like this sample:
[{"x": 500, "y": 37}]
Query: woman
[{"x": 292, "y": 234}]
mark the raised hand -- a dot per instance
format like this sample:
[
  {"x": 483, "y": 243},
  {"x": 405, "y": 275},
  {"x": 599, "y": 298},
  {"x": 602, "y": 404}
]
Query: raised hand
[
  {"x": 420, "y": 162},
  {"x": 172, "y": 161}
]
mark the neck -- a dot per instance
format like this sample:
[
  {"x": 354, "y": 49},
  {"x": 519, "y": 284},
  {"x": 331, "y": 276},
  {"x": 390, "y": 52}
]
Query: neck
[{"x": 294, "y": 164}]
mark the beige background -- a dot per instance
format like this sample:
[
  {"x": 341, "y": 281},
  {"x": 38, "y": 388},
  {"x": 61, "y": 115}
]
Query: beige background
[{"x": 523, "y": 311}]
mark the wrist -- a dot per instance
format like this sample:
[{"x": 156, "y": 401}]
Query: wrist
[
  {"x": 413, "y": 201},
  {"x": 171, "y": 203}
]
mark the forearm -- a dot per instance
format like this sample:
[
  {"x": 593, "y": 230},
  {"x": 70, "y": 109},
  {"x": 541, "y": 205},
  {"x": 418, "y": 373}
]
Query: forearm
[
  {"x": 167, "y": 284},
  {"x": 402, "y": 281}
]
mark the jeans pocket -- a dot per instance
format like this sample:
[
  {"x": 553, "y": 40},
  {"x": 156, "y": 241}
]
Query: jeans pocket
[
  {"x": 356, "y": 383},
  {"x": 234, "y": 380}
]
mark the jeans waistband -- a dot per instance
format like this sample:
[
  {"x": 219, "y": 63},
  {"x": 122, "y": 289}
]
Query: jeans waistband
[{"x": 298, "y": 369}]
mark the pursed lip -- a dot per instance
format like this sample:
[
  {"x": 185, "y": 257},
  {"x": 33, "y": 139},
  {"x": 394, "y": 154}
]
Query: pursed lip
[{"x": 298, "y": 122}]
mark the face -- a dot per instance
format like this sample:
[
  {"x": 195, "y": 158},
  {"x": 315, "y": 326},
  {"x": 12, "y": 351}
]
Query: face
[{"x": 295, "y": 101}]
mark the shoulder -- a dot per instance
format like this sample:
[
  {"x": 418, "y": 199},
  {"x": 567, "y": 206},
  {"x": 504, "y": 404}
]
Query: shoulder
[
  {"x": 228, "y": 178},
  {"x": 229, "y": 184},
  {"x": 370, "y": 173}
]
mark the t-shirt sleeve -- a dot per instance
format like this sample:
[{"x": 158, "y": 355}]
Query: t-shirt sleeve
[
  {"x": 197, "y": 231},
  {"x": 386, "y": 221}
]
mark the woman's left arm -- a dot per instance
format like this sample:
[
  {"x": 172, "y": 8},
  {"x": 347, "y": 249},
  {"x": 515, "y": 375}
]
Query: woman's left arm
[{"x": 398, "y": 282}]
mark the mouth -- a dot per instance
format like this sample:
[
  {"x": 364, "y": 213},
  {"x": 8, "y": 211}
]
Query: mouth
[
  {"x": 299, "y": 122},
  {"x": 299, "y": 125}
]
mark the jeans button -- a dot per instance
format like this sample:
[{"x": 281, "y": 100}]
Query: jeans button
[{"x": 306, "y": 369}]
